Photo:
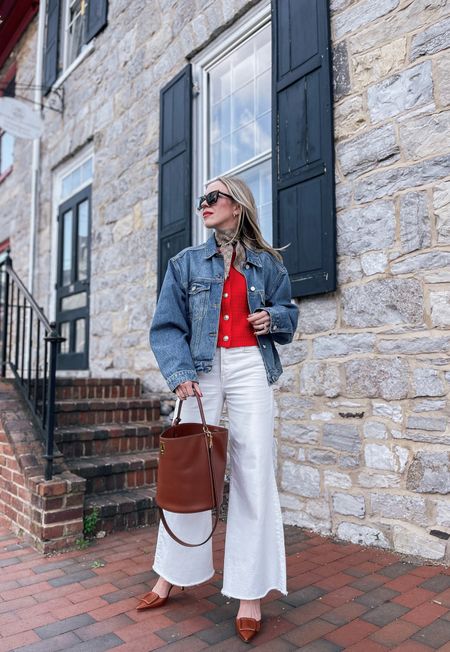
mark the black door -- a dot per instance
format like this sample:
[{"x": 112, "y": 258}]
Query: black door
[{"x": 72, "y": 285}]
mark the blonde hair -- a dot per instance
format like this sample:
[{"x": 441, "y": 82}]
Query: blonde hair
[{"x": 248, "y": 230}]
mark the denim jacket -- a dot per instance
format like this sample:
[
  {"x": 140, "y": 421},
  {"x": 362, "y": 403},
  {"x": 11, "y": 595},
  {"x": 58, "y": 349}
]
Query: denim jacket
[{"x": 184, "y": 330}]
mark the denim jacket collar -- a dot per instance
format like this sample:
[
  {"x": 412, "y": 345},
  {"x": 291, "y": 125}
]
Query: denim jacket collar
[{"x": 250, "y": 256}]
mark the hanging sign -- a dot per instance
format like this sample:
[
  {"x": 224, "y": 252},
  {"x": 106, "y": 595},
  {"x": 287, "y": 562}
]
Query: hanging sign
[{"x": 18, "y": 119}]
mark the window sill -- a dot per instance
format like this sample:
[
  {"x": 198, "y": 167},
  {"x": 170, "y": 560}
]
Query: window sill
[
  {"x": 6, "y": 173},
  {"x": 90, "y": 47}
]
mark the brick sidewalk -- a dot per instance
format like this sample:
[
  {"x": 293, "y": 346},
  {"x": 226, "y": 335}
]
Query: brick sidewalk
[{"x": 342, "y": 597}]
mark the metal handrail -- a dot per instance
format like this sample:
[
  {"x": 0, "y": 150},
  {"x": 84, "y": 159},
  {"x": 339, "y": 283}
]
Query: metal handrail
[{"x": 25, "y": 330}]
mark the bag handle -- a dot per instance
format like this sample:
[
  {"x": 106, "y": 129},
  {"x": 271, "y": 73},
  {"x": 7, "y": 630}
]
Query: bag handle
[
  {"x": 209, "y": 443},
  {"x": 177, "y": 417}
]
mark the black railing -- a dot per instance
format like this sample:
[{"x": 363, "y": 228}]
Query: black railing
[{"x": 29, "y": 350}]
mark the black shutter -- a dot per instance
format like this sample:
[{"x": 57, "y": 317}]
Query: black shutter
[
  {"x": 175, "y": 178},
  {"x": 303, "y": 160},
  {"x": 96, "y": 18},
  {"x": 51, "y": 44}
]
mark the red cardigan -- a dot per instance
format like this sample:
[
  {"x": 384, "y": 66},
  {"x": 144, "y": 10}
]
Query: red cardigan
[{"x": 234, "y": 329}]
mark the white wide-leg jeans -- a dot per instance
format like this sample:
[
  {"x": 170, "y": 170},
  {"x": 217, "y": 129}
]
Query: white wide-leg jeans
[{"x": 255, "y": 560}]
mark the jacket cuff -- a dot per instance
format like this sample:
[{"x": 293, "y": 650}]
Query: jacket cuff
[
  {"x": 181, "y": 376},
  {"x": 278, "y": 322}
]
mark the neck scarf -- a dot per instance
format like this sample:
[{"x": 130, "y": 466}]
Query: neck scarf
[{"x": 227, "y": 243}]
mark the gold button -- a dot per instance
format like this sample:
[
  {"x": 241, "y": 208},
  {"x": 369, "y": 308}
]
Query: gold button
[
  {"x": 225, "y": 338},
  {"x": 226, "y": 317},
  {"x": 225, "y": 296}
]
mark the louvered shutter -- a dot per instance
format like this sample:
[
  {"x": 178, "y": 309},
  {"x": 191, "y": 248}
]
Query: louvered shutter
[
  {"x": 175, "y": 169},
  {"x": 51, "y": 44},
  {"x": 97, "y": 11},
  {"x": 303, "y": 160}
]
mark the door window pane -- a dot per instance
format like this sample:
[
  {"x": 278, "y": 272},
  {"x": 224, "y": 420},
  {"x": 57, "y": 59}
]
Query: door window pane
[
  {"x": 82, "y": 247},
  {"x": 74, "y": 301},
  {"x": 64, "y": 329},
  {"x": 67, "y": 248},
  {"x": 80, "y": 330}
]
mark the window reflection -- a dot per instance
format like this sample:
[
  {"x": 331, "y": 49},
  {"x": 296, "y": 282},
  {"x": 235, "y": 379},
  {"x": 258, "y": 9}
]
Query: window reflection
[{"x": 240, "y": 119}]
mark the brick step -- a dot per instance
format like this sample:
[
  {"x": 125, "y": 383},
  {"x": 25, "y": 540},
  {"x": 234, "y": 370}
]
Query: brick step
[
  {"x": 81, "y": 388},
  {"x": 107, "y": 410},
  {"x": 121, "y": 510},
  {"x": 110, "y": 473},
  {"x": 107, "y": 439}
]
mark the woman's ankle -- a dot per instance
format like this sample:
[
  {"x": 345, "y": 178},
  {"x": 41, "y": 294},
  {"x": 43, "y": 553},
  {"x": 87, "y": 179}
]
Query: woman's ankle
[{"x": 250, "y": 609}]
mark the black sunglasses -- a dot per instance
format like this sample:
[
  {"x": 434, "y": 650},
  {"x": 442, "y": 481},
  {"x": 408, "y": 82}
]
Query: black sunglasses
[{"x": 211, "y": 198}]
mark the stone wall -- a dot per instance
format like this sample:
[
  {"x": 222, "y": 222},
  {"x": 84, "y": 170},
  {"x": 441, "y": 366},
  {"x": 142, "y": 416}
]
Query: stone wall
[{"x": 363, "y": 442}]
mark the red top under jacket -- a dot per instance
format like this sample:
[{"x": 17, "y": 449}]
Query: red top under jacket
[{"x": 234, "y": 329}]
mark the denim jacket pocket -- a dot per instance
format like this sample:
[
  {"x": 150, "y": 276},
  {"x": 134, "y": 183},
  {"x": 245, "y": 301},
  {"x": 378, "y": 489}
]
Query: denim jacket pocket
[{"x": 198, "y": 295}]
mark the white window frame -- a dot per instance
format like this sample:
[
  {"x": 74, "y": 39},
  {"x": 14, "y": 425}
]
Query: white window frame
[
  {"x": 57, "y": 199},
  {"x": 86, "y": 49},
  {"x": 253, "y": 21}
]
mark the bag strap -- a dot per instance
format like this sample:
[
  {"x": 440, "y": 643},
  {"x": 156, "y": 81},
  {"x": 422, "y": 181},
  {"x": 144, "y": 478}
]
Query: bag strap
[
  {"x": 177, "y": 417},
  {"x": 208, "y": 444}
]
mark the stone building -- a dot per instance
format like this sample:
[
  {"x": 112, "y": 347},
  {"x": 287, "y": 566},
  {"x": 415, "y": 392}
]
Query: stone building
[{"x": 142, "y": 102}]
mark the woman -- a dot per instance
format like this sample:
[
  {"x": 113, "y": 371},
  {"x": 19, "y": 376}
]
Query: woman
[{"x": 206, "y": 342}]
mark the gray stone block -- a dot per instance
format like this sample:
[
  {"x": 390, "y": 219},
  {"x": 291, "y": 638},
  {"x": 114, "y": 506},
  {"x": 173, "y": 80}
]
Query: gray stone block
[
  {"x": 300, "y": 479},
  {"x": 431, "y": 40},
  {"x": 365, "y": 228},
  {"x": 360, "y": 14},
  {"x": 349, "y": 504},
  {"x": 380, "y": 377},
  {"x": 375, "y": 430},
  {"x": 436, "y": 126},
  {"x": 427, "y": 423},
  {"x": 374, "y": 262},
  {"x": 414, "y": 222},
  {"x": 341, "y": 437},
  {"x": 369, "y": 150},
  {"x": 362, "y": 534},
  {"x": 319, "y": 379},
  {"x": 421, "y": 262},
  {"x": 381, "y": 302},
  {"x": 414, "y": 345},
  {"x": 299, "y": 433},
  {"x": 388, "y": 182},
  {"x": 429, "y": 473},
  {"x": 428, "y": 382},
  {"x": 410, "y": 508},
  {"x": 293, "y": 353},
  {"x": 331, "y": 346},
  {"x": 406, "y": 90},
  {"x": 318, "y": 313},
  {"x": 322, "y": 457},
  {"x": 380, "y": 456},
  {"x": 341, "y": 74}
]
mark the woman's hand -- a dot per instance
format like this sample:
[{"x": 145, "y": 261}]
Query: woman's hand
[
  {"x": 189, "y": 388},
  {"x": 260, "y": 321}
]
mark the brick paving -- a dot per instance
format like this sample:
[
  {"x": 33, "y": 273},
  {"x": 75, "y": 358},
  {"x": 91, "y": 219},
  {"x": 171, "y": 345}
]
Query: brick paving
[{"x": 342, "y": 597}]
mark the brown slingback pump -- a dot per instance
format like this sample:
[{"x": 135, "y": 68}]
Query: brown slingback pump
[
  {"x": 247, "y": 628},
  {"x": 152, "y": 600}
]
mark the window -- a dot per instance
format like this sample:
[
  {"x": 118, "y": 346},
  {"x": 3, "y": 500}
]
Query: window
[
  {"x": 71, "y": 24},
  {"x": 234, "y": 104},
  {"x": 268, "y": 121},
  {"x": 73, "y": 28},
  {"x": 6, "y": 140}
]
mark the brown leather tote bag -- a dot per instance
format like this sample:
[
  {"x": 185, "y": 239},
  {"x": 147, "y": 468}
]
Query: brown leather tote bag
[{"x": 191, "y": 471}]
